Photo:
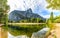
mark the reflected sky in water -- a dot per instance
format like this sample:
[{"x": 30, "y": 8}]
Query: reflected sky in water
[{"x": 21, "y": 36}]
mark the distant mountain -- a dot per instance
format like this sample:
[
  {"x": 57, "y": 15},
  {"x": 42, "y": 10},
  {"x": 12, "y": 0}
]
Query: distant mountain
[{"x": 18, "y": 15}]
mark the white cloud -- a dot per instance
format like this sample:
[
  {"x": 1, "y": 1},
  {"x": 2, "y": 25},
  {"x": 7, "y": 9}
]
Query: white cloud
[
  {"x": 36, "y": 5},
  {"x": 45, "y": 16},
  {"x": 25, "y": 4}
]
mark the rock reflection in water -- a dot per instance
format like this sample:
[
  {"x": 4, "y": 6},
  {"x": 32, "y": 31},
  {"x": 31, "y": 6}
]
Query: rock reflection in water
[{"x": 41, "y": 33}]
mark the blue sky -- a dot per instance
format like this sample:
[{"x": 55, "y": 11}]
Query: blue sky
[{"x": 37, "y": 6}]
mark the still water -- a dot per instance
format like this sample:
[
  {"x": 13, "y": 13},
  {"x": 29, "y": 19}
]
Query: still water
[{"x": 22, "y": 31}]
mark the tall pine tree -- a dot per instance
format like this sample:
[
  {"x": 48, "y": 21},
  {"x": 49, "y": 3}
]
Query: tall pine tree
[{"x": 51, "y": 17}]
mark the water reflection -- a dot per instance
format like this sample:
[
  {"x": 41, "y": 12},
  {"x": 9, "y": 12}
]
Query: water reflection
[
  {"x": 41, "y": 33},
  {"x": 21, "y": 32},
  {"x": 20, "y": 36}
]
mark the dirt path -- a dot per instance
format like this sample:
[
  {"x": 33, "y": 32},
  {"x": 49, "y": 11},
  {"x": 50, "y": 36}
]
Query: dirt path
[{"x": 56, "y": 31}]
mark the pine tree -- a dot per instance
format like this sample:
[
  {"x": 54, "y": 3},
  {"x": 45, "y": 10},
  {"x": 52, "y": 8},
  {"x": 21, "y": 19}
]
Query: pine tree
[{"x": 51, "y": 17}]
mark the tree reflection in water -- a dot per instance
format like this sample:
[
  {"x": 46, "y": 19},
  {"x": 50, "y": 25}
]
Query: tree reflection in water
[{"x": 21, "y": 31}]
